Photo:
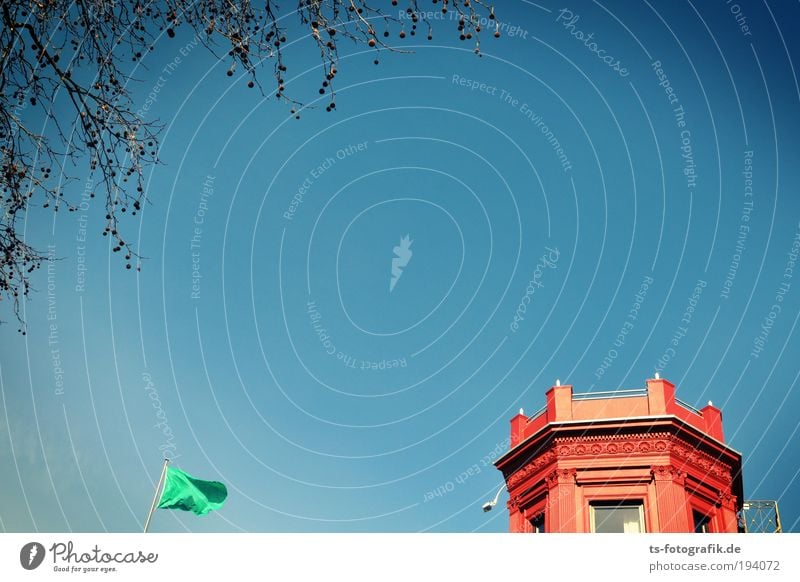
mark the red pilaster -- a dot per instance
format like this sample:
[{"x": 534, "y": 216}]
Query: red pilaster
[
  {"x": 561, "y": 500},
  {"x": 516, "y": 521},
  {"x": 726, "y": 513},
  {"x": 673, "y": 514}
]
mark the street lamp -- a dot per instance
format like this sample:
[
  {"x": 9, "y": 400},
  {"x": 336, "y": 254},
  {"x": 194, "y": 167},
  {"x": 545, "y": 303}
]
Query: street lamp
[{"x": 490, "y": 504}]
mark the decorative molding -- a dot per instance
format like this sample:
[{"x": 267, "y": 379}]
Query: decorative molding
[
  {"x": 643, "y": 444},
  {"x": 627, "y": 445},
  {"x": 561, "y": 476},
  {"x": 544, "y": 459},
  {"x": 668, "y": 473},
  {"x": 615, "y": 445},
  {"x": 701, "y": 460},
  {"x": 727, "y": 500},
  {"x": 603, "y": 437}
]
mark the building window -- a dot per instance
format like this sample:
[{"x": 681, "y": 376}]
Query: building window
[
  {"x": 538, "y": 523},
  {"x": 701, "y": 522},
  {"x": 617, "y": 517}
]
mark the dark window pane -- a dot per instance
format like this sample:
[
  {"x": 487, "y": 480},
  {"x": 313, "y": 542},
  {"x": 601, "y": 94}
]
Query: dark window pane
[{"x": 700, "y": 522}]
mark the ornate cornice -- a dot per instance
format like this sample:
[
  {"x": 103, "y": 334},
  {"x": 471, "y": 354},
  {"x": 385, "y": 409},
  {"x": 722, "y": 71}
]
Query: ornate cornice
[
  {"x": 624, "y": 445},
  {"x": 605, "y": 437},
  {"x": 703, "y": 461},
  {"x": 544, "y": 459},
  {"x": 615, "y": 446},
  {"x": 643, "y": 444}
]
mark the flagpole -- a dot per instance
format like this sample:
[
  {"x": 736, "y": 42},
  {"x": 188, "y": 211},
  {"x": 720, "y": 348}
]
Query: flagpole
[{"x": 155, "y": 497}]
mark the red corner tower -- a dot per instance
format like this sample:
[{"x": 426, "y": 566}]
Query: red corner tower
[{"x": 624, "y": 461}]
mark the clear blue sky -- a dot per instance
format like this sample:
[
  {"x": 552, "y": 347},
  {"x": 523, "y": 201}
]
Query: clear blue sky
[{"x": 234, "y": 377}]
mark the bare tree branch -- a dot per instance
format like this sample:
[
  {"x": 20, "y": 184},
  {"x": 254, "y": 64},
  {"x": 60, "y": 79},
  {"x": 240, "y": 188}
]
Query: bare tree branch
[{"x": 80, "y": 52}]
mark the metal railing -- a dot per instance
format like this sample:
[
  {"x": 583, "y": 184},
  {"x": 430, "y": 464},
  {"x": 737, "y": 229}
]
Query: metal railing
[
  {"x": 542, "y": 410},
  {"x": 760, "y": 517},
  {"x": 688, "y": 406},
  {"x": 610, "y": 394}
]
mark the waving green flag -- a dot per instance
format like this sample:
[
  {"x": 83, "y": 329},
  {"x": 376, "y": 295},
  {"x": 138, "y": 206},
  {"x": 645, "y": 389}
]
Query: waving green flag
[{"x": 182, "y": 491}]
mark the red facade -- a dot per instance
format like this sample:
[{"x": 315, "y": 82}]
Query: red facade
[{"x": 624, "y": 461}]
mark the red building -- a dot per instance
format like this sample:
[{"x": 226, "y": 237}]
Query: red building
[{"x": 624, "y": 461}]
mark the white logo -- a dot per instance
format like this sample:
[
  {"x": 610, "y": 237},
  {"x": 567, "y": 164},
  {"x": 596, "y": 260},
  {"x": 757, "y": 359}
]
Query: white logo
[{"x": 403, "y": 256}]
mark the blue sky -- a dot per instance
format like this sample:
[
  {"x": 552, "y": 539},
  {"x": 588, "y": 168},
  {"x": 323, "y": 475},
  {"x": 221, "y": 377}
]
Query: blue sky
[{"x": 325, "y": 401}]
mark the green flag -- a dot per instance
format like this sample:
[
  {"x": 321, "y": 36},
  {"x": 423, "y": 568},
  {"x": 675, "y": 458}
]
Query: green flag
[{"x": 182, "y": 491}]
